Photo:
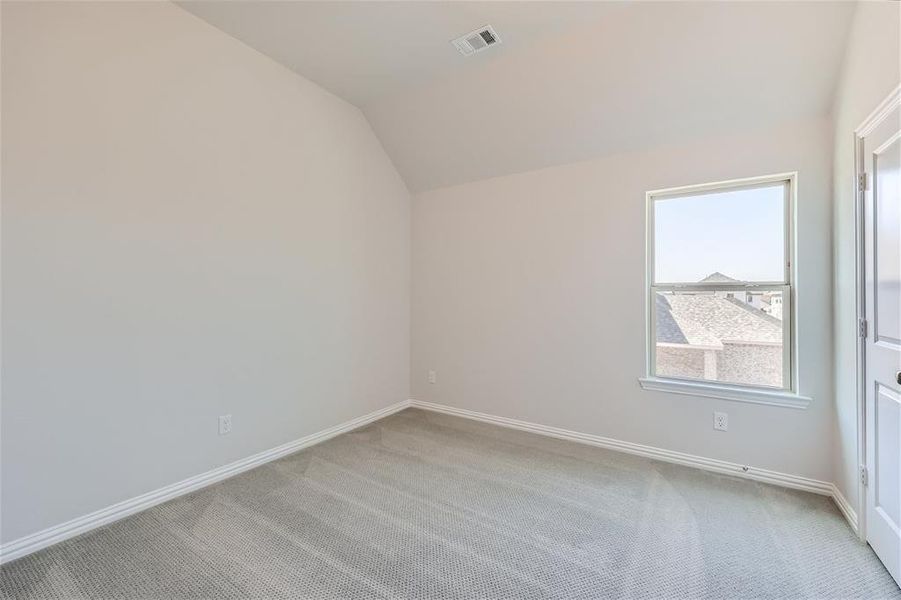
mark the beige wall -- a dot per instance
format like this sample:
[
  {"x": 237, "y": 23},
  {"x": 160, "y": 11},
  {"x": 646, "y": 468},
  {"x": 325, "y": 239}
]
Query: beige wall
[
  {"x": 188, "y": 230},
  {"x": 529, "y": 299},
  {"x": 871, "y": 71}
]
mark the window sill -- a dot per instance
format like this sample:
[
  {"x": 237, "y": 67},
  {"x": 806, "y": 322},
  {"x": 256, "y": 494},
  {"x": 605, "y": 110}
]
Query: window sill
[{"x": 725, "y": 392}]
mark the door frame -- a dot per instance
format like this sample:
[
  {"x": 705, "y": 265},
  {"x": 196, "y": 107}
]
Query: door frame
[{"x": 891, "y": 102}]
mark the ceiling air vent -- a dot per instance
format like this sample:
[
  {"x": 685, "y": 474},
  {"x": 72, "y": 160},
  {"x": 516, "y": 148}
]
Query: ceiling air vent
[{"x": 476, "y": 41}]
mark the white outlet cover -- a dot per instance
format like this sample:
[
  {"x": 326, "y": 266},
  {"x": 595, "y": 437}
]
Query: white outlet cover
[
  {"x": 433, "y": 377},
  {"x": 225, "y": 424},
  {"x": 721, "y": 421}
]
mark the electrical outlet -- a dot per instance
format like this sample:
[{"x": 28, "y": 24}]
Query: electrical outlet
[
  {"x": 721, "y": 421},
  {"x": 433, "y": 376},
  {"x": 225, "y": 424}
]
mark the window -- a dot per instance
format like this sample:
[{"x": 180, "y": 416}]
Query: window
[{"x": 720, "y": 286}]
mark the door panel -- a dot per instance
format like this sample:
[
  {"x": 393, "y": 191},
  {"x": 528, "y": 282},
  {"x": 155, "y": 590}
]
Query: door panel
[
  {"x": 881, "y": 161},
  {"x": 887, "y": 469},
  {"x": 887, "y": 227}
]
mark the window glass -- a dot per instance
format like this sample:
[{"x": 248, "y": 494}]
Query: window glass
[
  {"x": 721, "y": 290},
  {"x": 726, "y": 236},
  {"x": 720, "y": 335}
]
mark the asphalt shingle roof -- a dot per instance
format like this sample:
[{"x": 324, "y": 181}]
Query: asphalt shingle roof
[
  {"x": 709, "y": 320},
  {"x": 718, "y": 277}
]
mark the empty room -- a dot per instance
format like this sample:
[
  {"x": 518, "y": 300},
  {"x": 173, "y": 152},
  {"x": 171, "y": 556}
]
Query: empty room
[{"x": 450, "y": 299}]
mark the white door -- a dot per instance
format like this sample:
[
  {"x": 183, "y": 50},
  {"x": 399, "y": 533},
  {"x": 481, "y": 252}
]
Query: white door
[{"x": 881, "y": 162}]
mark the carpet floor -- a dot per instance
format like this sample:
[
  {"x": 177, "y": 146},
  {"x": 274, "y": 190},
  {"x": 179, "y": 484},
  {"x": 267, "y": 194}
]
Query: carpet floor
[{"x": 425, "y": 505}]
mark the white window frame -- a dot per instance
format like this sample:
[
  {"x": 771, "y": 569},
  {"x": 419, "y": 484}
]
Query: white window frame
[{"x": 788, "y": 395}]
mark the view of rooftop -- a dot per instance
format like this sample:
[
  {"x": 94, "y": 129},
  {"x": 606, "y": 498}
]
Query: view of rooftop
[{"x": 721, "y": 335}]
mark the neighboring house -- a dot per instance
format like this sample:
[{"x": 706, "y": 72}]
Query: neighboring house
[
  {"x": 759, "y": 300},
  {"x": 775, "y": 307},
  {"x": 768, "y": 302},
  {"x": 719, "y": 338},
  {"x": 718, "y": 277}
]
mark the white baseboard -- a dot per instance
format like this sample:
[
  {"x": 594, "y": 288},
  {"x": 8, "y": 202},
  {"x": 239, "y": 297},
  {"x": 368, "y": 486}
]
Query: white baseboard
[
  {"x": 53, "y": 535},
  {"x": 845, "y": 508},
  {"x": 690, "y": 460}
]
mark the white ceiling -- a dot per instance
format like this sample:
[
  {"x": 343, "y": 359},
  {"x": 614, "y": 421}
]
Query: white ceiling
[{"x": 572, "y": 80}]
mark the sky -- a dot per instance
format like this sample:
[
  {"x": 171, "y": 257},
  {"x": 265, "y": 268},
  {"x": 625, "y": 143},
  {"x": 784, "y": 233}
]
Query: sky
[{"x": 738, "y": 233}]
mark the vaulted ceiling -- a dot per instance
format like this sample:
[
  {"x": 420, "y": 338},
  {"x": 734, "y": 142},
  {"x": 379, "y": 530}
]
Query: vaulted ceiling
[{"x": 571, "y": 80}]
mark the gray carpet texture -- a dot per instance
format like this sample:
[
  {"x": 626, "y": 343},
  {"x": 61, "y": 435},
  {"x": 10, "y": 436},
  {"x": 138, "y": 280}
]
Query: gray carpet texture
[{"x": 425, "y": 505}]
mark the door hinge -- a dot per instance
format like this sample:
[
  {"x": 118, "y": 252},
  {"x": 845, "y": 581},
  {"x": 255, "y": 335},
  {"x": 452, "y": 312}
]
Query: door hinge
[
  {"x": 864, "y": 476},
  {"x": 862, "y": 328},
  {"x": 862, "y": 182}
]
